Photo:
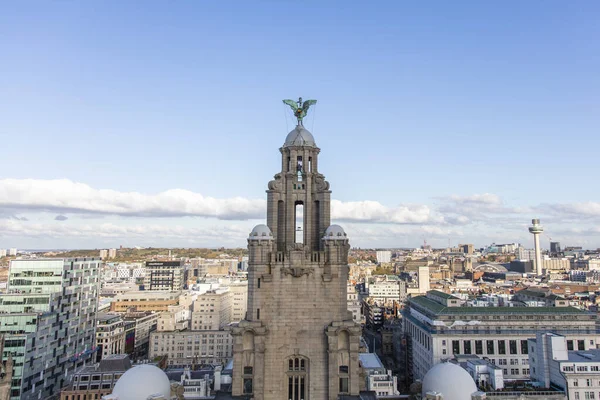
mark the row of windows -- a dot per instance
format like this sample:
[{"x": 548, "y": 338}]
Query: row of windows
[
  {"x": 588, "y": 382},
  {"x": 515, "y": 371},
  {"x": 491, "y": 346},
  {"x": 586, "y": 396}
]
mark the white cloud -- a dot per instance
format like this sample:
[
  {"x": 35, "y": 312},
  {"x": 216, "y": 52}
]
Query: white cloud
[
  {"x": 63, "y": 195},
  {"x": 477, "y": 199},
  {"x": 66, "y": 196},
  {"x": 373, "y": 211},
  {"x": 573, "y": 210},
  {"x": 31, "y": 208},
  {"x": 152, "y": 234}
]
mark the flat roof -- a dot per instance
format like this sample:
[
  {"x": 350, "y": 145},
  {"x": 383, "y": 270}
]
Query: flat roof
[
  {"x": 591, "y": 355},
  {"x": 443, "y": 295},
  {"x": 370, "y": 360},
  {"x": 538, "y": 293},
  {"x": 441, "y": 309}
]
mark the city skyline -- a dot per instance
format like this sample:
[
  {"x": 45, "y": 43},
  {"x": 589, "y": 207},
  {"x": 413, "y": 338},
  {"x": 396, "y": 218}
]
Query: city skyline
[{"x": 157, "y": 128}]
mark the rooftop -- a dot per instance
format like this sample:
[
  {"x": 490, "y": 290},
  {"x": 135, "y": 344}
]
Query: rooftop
[
  {"x": 585, "y": 356},
  {"x": 111, "y": 363},
  {"x": 370, "y": 360},
  {"x": 441, "y": 294},
  {"x": 538, "y": 293},
  {"x": 441, "y": 309}
]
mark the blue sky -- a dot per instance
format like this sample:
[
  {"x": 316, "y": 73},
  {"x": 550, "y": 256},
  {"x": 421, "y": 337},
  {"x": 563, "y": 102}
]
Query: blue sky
[{"x": 484, "y": 113}]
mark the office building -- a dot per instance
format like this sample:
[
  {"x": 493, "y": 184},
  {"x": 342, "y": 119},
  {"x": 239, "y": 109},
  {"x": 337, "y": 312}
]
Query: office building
[
  {"x": 239, "y": 300},
  {"x": 551, "y": 265},
  {"x": 354, "y": 304},
  {"x": 384, "y": 256},
  {"x": 139, "y": 327},
  {"x": 440, "y": 326},
  {"x": 189, "y": 348},
  {"x": 12, "y": 252},
  {"x": 212, "y": 310},
  {"x": 144, "y": 301},
  {"x": 48, "y": 319},
  {"x": 555, "y": 247},
  {"x": 378, "y": 378},
  {"x": 164, "y": 275},
  {"x": 467, "y": 248},
  {"x": 110, "y": 335},
  {"x": 387, "y": 291},
  {"x": 176, "y": 318},
  {"x": 91, "y": 382},
  {"x": 525, "y": 254},
  {"x": 555, "y": 363}
]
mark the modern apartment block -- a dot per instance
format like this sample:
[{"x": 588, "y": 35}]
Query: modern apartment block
[
  {"x": 164, "y": 275},
  {"x": 440, "y": 326},
  {"x": 48, "y": 319}
]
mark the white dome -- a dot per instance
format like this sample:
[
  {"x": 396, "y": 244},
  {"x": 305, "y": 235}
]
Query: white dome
[
  {"x": 141, "y": 382},
  {"x": 450, "y": 380},
  {"x": 300, "y": 137},
  {"x": 335, "y": 232},
  {"x": 261, "y": 232}
]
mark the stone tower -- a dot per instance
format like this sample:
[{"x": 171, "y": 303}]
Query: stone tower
[{"x": 298, "y": 341}]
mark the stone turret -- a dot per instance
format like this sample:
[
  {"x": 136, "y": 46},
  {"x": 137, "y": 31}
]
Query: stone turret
[{"x": 298, "y": 340}]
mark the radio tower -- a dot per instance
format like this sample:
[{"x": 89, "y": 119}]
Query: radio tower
[{"x": 536, "y": 229}]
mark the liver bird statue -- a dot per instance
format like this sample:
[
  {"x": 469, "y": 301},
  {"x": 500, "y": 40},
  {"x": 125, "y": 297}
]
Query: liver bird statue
[{"x": 300, "y": 108}]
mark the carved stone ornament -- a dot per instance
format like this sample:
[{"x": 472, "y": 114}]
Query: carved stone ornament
[
  {"x": 277, "y": 183},
  {"x": 297, "y": 272},
  {"x": 321, "y": 183}
]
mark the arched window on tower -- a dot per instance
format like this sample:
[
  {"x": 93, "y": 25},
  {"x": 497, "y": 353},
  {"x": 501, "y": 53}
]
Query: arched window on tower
[
  {"x": 248, "y": 359},
  {"x": 297, "y": 378},
  {"x": 299, "y": 221},
  {"x": 343, "y": 360},
  {"x": 299, "y": 168}
]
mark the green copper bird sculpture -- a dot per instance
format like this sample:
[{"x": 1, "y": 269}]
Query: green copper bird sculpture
[{"x": 300, "y": 108}]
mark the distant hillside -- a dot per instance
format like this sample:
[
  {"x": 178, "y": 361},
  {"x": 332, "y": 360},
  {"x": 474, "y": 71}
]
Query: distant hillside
[{"x": 131, "y": 254}]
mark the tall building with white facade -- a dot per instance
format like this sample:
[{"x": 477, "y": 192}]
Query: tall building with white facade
[
  {"x": 354, "y": 304},
  {"x": 12, "y": 252},
  {"x": 110, "y": 335},
  {"x": 212, "y": 310},
  {"x": 387, "y": 291},
  {"x": 440, "y": 326},
  {"x": 187, "y": 348},
  {"x": 552, "y": 364},
  {"x": 384, "y": 256},
  {"x": 48, "y": 318},
  {"x": 239, "y": 300}
]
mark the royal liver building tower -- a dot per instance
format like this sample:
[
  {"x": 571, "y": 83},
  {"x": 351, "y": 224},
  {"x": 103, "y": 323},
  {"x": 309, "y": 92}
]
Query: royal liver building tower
[{"x": 298, "y": 341}]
